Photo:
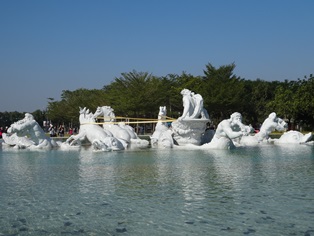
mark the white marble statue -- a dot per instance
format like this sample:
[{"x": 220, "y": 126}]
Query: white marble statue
[
  {"x": 94, "y": 134},
  {"x": 27, "y": 133},
  {"x": 193, "y": 106},
  {"x": 274, "y": 123},
  {"x": 294, "y": 137},
  {"x": 108, "y": 116},
  {"x": 190, "y": 127},
  {"x": 124, "y": 133},
  {"x": 19, "y": 142},
  {"x": 270, "y": 124},
  {"x": 162, "y": 136},
  {"x": 228, "y": 130}
]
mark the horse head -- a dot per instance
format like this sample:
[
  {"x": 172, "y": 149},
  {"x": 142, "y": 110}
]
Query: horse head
[
  {"x": 107, "y": 113},
  {"x": 98, "y": 112},
  {"x": 86, "y": 116},
  {"x": 162, "y": 112}
]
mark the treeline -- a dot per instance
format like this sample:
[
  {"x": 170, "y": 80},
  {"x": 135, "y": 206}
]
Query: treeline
[
  {"x": 139, "y": 94},
  {"x": 7, "y": 118}
]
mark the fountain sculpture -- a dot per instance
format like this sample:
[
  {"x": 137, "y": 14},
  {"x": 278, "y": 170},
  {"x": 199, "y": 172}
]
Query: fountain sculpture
[
  {"x": 124, "y": 133},
  {"x": 227, "y": 131},
  {"x": 271, "y": 124},
  {"x": 162, "y": 136},
  {"x": 294, "y": 137},
  {"x": 27, "y": 133},
  {"x": 94, "y": 134},
  {"x": 189, "y": 130}
]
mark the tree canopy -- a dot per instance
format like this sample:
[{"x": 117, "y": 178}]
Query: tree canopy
[{"x": 139, "y": 94}]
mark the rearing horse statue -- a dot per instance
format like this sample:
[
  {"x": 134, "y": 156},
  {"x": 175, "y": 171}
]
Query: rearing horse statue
[
  {"x": 97, "y": 136},
  {"x": 124, "y": 133}
]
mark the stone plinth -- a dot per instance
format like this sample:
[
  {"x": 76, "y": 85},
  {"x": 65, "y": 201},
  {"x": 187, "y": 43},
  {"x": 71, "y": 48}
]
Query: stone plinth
[{"x": 189, "y": 131}]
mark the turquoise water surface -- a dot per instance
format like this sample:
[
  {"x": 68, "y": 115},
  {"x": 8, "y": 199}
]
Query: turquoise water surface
[{"x": 265, "y": 190}]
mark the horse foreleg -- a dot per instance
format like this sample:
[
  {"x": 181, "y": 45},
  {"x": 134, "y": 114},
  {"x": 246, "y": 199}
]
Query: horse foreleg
[{"x": 75, "y": 139}]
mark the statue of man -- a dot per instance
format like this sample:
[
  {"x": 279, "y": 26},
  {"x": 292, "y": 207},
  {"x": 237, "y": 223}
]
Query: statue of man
[
  {"x": 271, "y": 123},
  {"x": 232, "y": 128},
  {"x": 229, "y": 129}
]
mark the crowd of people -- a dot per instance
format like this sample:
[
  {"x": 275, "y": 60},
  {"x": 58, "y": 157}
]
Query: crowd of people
[
  {"x": 60, "y": 131},
  {"x": 54, "y": 131}
]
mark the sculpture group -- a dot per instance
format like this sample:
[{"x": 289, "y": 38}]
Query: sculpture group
[
  {"x": 27, "y": 133},
  {"x": 189, "y": 129}
]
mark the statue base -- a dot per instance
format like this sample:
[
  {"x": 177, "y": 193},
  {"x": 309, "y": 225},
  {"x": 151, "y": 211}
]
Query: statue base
[{"x": 189, "y": 131}]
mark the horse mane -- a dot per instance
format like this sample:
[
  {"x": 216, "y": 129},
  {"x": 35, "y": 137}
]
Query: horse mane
[
  {"x": 106, "y": 111},
  {"x": 86, "y": 116}
]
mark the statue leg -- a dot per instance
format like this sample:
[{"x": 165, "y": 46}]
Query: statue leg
[{"x": 74, "y": 139}]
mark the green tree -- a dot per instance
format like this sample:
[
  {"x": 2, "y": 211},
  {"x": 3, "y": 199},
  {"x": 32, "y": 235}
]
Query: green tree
[
  {"x": 223, "y": 92},
  {"x": 139, "y": 94},
  {"x": 39, "y": 116},
  {"x": 304, "y": 98},
  {"x": 173, "y": 87},
  {"x": 257, "y": 94},
  {"x": 67, "y": 110},
  {"x": 284, "y": 102},
  {"x": 7, "y": 118},
  {"x": 135, "y": 94}
]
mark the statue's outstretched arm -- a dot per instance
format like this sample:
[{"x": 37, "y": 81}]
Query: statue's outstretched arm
[{"x": 232, "y": 134}]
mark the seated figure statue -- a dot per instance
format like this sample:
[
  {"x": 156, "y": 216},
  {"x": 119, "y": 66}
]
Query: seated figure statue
[
  {"x": 192, "y": 106},
  {"x": 227, "y": 130},
  {"x": 189, "y": 128},
  {"x": 17, "y": 132}
]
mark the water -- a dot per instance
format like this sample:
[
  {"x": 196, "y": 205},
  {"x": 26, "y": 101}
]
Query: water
[{"x": 256, "y": 191}]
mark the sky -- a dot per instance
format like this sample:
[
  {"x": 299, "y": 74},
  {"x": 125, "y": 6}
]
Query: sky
[{"x": 50, "y": 46}]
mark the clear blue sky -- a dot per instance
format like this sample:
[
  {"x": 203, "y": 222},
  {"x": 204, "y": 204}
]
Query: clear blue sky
[{"x": 50, "y": 46}]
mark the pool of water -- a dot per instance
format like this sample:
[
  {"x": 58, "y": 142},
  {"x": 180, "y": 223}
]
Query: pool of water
[{"x": 258, "y": 191}]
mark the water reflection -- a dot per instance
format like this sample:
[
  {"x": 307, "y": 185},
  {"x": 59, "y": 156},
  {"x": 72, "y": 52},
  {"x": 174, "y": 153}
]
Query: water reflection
[
  {"x": 95, "y": 172},
  {"x": 185, "y": 173}
]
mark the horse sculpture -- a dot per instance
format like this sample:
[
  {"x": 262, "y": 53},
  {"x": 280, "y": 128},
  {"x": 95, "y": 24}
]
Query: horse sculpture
[
  {"x": 124, "y": 133},
  {"x": 27, "y": 133},
  {"x": 93, "y": 133},
  {"x": 162, "y": 136}
]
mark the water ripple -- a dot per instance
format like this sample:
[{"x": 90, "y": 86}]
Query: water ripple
[{"x": 262, "y": 191}]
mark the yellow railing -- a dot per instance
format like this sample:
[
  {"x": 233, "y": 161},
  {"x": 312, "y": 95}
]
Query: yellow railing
[{"x": 127, "y": 120}]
